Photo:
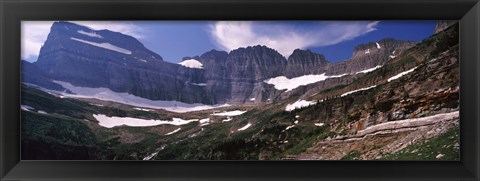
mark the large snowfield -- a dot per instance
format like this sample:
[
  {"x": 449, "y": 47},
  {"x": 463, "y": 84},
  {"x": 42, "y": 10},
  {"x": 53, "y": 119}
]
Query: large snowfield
[
  {"x": 125, "y": 98},
  {"x": 110, "y": 122},
  {"x": 283, "y": 82}
]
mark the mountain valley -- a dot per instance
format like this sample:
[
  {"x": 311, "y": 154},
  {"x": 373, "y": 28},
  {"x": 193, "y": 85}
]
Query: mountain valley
[{"x": 101, "y": 95}]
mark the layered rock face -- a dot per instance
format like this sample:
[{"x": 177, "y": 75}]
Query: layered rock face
[
  {"x": 237, "y": 76},
  {"x": 305, "y": 62},
  {"x": 370, "y": 55},
  {"x": 89, "y": 58}
]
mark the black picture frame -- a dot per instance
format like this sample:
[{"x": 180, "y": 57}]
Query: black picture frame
[{"x": 14, "y": 11}]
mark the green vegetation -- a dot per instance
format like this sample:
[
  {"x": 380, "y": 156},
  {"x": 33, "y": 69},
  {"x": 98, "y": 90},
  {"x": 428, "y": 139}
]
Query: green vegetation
[
  {"x": 310, "y": 138},
  {"x": 353, "y": 155},
  {"x": 443, "y": 147},
  {"x": 51, "y": 137}
]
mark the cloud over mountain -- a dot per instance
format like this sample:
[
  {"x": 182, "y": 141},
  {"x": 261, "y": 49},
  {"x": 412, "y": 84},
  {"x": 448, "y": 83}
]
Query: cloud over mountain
[{"x": 285, "y": 37}]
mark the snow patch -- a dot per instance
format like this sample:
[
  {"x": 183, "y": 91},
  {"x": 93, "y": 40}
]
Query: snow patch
[
  {"x": 42, "y": 112},
  {"x": 245, "y": 127},
  {"x": 99, "y": 105},
  {"x": 204, "y": 122},
  {"x": 26, "y": 108},
  {"x": 104, "y": 45},
  {"x": 155, "y": 153},
  {"x": 126, "y": 98},
  {"x": 319, "y": 124},
  {"x": 367, "y": 51},
  {"x": 401, "y": 74},
  {"x": 150, "y": 156},
  {"x": 378, "y": 45},
  {"x": 110, "y": 122},
  {"x": 230, "y": 113},
  {"x": 282, "y": 82},
  {"x": 192, "y": 63},
  {"x": 200, "y": 84},
  {"x": 142, "y": 109},
  {"x": 142, "y": 60},
  {"x": 174, "y": 131},
  {"x": 392, "y": 56},
  {"x": 362, "y": 89},
  {"x": 369, "y": 70},
  {"x": 252, "y": 99},
  {"x": 289, "y": 127},
  {"x": 227, "y": 120},
  {"x": 299, "y": 104},
  {"x": 433, "y": 60},
  {"x": 90, "y": 34}
]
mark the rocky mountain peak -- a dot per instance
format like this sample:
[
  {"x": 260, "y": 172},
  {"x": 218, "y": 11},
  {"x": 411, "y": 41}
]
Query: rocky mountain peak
[
  {"x": 214, "y": 55},
  {"x": 306, "y": 55},
  {"x": 381, "y": 47},
  {"x": 258, "y": 50}
]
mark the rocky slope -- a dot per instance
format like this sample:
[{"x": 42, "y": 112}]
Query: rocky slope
[{"x": 443, "y": 24}]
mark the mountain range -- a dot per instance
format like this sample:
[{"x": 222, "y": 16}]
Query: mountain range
[
  {"x": 88, "y": 95},
  {"x": 89, "y": 58}
]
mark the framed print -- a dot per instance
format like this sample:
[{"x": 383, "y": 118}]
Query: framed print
[{"x": 202, "y": 90}]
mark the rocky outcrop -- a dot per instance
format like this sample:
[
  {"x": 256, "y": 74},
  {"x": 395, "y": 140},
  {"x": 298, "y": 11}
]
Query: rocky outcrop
[
  {"x": 370, "y": 55},
  {"x": 443, "y": 24},
  {"x": 305, "y": 62},
  {"x": 382, "y": 138}
]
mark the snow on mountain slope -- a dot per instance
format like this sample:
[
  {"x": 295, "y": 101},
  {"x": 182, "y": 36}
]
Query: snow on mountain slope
[
  {"x": 125, "y": 98},
  {"x": 230, "y": 113},
  {"x": 90, "y": 34},
  {"x": 107, "y": 46},
  {"x": 245, "y": 127},
  {"x": 282, "y": 82},
  {"x": 362, "y": 89},
  {"x": 192, "y": 63},
  {"x": 299, "y": 104},
  {"x": 110, "y": 122},
  {"x": 401, "y": 74},
  {"x": 174, "y": 131},
  {"x": 369, "y": 70}
]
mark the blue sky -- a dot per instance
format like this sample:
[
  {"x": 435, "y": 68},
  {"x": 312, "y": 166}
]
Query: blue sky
[{"x": 174, "y": 40}]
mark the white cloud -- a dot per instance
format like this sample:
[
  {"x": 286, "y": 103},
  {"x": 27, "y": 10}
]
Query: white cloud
[
  {"x": 285, "y": 38},
  {"x": 34, "y": 33}
]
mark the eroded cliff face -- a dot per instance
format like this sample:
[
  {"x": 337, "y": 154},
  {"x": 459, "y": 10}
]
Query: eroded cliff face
[
  {"x": 370, "y": 55},
  {"x": 443, "y": 24},
  {"x": 90, "y": 58}
]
